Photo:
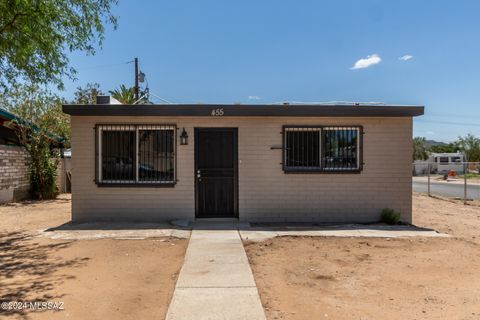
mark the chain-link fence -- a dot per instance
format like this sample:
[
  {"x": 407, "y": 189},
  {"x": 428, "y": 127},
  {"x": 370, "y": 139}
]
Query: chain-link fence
[{"x": 460, "y": 180}]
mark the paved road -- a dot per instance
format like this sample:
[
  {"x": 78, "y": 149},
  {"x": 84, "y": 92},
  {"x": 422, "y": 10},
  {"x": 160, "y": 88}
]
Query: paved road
[{"x": 450, "y": 190}]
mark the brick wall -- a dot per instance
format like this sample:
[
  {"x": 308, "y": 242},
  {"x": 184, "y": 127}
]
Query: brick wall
[
  {"x": 266, "y": 193},
  {"x": 14, "y": 180}
]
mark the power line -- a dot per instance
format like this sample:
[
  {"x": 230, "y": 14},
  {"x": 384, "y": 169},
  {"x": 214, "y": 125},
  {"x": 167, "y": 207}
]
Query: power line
[
  {"x": 451, "y": 115},
  {"x": 450, "y": 123},
  {"x": 160, "y": 98}
]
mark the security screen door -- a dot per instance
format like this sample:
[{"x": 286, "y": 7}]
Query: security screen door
[{"x": 216, "y": 173}]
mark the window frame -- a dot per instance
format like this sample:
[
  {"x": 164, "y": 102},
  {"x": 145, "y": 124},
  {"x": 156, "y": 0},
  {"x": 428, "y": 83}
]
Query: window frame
[
  {"x": 321, "y": 168},
  {"x": 99, "y": 128}
]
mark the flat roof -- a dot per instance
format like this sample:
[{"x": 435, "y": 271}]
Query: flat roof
[
  {"x": 447, "y": 154},
  {"x": 245, "y": 110}
]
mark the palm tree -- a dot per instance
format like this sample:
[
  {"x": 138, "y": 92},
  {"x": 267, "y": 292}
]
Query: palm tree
[{"x": 124, "y": 95}]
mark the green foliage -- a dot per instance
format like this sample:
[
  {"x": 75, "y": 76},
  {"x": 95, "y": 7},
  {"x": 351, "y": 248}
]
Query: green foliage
[
  {"x": 127, "y": 95},
  {"x": 39, "y": 108},
  {"x": 35, "y": 37},
  {"x": 419, "y": 148},
  {"x": 41, "y": 124},
  {"x": 124, "y": 95},
  {"x": 470, "y": 145},
  {"x": 88, "y": 94},
  {"x": 471, "y": 175},
  {"x": 451, "y": 147},
  {"x": 43, "y": 168},
  {"x": 389, "y": 216}
]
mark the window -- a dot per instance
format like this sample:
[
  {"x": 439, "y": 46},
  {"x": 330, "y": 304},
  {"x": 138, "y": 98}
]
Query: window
[
  {"x": 341, "y": 148},
  {"x": 443, "y": 160},
  {"x": 302, "y": 148},
  {"x": 321, "y": 149},
  {"x": 456, "y": 159},
  {"x": 135, "y": 154},
  {"x": 118, "y": 155}
]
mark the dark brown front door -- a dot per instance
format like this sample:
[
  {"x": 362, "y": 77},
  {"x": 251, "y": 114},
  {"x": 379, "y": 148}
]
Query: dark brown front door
[{"x": 216, "y": 172}]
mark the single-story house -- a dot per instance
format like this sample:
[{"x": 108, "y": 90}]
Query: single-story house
[
  {"x": 445, "y": 162},
  {"x": 441, "y": 163},
  {"x": 258, "y": 163}
]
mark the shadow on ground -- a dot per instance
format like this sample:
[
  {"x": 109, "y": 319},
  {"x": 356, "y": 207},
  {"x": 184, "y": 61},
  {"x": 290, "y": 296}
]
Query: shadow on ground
[
  {"x": 72, "y": 226},
  {"x": 33, "y": 202},
  {"x": 345, "y": 227},
  {"x": 29, "y": 270},
  {"x": 228, "y": 225},
  {"x": 244, "y": 226}
]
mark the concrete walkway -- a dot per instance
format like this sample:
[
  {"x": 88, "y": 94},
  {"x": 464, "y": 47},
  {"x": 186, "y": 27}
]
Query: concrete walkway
[
  {"x": 216, "y": 281},
  {"x": 113, "y": 230},
  {"x": 353, "y": 230}
]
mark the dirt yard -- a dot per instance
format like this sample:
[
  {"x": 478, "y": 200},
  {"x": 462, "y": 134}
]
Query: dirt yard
[
  {"x": 95, "y": 279},
  {"x": 449, "y": 216},
  {"x": 366, "y": 278}
]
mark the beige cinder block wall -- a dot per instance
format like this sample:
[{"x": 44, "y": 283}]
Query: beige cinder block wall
[{"x": 266, "y": 193}]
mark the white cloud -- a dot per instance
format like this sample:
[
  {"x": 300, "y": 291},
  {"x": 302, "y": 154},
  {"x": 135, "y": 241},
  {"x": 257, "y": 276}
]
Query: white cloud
[
  {"x": 430, "y": 133},
  {"x": 367, "y": 62},
  {"x": 405, "y": 57},
  {"x": 253, "y": 98}
]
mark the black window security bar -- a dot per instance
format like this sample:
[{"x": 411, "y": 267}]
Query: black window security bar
[
  {"x": 135, "y": 154},
  {"x": 302, "y": 148},
  {"x": 322, "y": 148}
]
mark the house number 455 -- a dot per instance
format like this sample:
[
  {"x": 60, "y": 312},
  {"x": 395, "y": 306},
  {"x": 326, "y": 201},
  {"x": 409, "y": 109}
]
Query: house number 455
[{"x": 217, "y": 112}]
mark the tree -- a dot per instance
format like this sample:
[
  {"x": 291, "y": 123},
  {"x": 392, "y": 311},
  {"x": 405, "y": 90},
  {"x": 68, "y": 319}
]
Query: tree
[
  {"x": 124, "y": 95},
  {"x": 451, "y": 147},
  {"x": 470, "y": 145},
  {"x": 420, "y": 148},
  {"x": 35, "y": 37},
  {"x": 87, "y": 95},
  {"x": 40, "y": 124}
]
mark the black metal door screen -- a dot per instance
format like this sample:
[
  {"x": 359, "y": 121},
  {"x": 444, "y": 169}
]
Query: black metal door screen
[{"x": 216, "y": 172}]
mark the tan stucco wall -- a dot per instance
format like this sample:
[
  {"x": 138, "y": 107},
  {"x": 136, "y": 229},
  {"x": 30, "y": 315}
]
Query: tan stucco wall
[{"x": 266, "y": 193}]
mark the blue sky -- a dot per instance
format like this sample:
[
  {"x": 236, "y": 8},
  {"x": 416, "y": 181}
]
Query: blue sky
[{"x": 214, "y": 51}]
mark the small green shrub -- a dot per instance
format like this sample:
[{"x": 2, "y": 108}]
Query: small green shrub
[{"x": 389, "y": 216}]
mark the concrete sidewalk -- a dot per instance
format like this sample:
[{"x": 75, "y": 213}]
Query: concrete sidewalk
[
  {"x": 113, "y": 230},
  {"x": 351, "y": 230},
  {"x": 216, "y": 281}
]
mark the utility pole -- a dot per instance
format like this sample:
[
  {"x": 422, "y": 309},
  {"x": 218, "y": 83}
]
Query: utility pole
[{"x": 136, "y": 79}]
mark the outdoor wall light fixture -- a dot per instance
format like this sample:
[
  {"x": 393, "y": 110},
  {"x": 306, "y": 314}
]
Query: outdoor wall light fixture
[{"x": 184, "y": 138}]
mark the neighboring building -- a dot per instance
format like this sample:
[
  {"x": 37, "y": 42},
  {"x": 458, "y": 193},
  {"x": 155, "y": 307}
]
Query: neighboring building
[
  {"x": 441, "y": 163},
  {"x": 7, "y": 132},
  {"x": 445, "y": 162},
  {"x": 14, "y": 174},
  {"x": 297, "y": 163},
  {"x": 14, "y": 180}
]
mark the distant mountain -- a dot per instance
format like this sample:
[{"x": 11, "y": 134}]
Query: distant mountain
[{"x": 431, "y": 143}]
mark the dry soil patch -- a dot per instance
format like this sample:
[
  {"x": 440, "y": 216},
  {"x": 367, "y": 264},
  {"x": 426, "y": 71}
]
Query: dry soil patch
[
  {"x": 448, "y": 216},
  {"x": 369, "y": 278},
  {"x": 96, "y": 279}
]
